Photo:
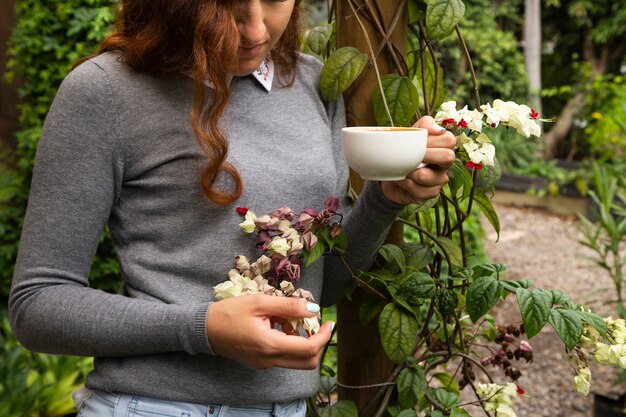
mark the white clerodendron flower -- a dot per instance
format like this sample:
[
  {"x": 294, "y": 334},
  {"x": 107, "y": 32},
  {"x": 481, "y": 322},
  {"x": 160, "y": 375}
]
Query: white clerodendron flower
[
  {"x": 498, "y": 398},
  {"x": 582, "y": 380},
  {"x": 480, "y": 150},
  {"x": 248, "y": 224},
  {"x": 610, "y": 350}
]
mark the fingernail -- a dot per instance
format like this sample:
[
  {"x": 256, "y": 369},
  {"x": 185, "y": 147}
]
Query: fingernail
[
  {"x": 332, "y": 326},
  {"x": 312, "y": 308},
  {"x": 438, "y": 128}
]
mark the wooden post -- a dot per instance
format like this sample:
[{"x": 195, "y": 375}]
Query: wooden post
[{"x": 361, "y": 358}]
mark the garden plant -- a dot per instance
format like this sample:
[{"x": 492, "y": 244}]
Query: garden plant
[{"x": 432, "y": 298}]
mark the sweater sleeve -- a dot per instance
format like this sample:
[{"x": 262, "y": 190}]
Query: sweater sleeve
[
  {"x": 77, "y": 181},
  {"x": 366, "y": 224}
]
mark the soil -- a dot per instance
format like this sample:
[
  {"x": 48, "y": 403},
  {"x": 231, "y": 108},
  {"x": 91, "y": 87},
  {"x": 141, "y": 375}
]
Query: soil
[{"x": 543, "y": 247}]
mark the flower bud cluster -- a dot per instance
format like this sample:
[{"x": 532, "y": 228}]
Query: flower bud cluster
[
  {"x": 282, "y": 238},
  {"x": 477, "y": 144},
  {"x": 498, "y": 398},
  {"x": 509, "y": 350}
]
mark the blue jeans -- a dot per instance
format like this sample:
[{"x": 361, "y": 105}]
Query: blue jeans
[{"x": 104, "y": 404}]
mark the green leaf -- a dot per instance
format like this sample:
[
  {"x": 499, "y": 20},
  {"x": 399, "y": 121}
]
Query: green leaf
[
  {"x": 397, "y": 329},
  {"x": 427, "y": 79},
  {"x": 417, "y": 255},
  {"x": 482, "y": 295},
  {"x": 314, "y": 254},
  {"x": 370, "y": 307},
  {"x": 448, "y": 382},
  {"x": 446, "y": 398},
  {"x": 318, "y": 37},
  {"x": 394, "y": 257},
  {"x": 402, "y": 99},
  {"x": 450, "y": 248},
  {"x": 559, "y": 297},
  {"x": 340, "y": 70},
  {"x": 568, "y": 326},
  {"x": 489, "y": 176},
  {"x": 328, "y": 384},
  {"x": 488, "y": 210},
  {"x": 535, "y": 306},
  {"x": 411, "y": 386},
  {"x": 459, "y": 179},
  {"x": 594, "y": 321},
  {"x": 407, "y": 413},
  {"x": 417, "y": 284},
  {"x": 340, "y": 409},
  {"x": 442, "y": 16},
  {"x": 459, "y": 412}
]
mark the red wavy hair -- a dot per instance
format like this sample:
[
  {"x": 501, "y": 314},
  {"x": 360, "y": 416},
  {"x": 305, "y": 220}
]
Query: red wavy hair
[{"x": 184, "y": 36}]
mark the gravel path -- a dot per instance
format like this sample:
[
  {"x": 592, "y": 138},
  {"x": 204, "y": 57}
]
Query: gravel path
[{"x": 543, "y": 247}]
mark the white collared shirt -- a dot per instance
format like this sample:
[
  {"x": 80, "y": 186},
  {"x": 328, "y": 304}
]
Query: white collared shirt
[{"x": 264, "y": 75}]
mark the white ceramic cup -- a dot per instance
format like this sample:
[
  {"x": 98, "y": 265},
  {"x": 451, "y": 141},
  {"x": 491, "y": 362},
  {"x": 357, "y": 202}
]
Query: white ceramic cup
[{"x": 384, "y": 153}]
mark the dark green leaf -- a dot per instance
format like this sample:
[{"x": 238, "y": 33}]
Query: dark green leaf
[
  {"x": 340, "y": 70},
  {"x": 559, "y": 297},
  {"x": 318, "y": 37},
  {"x": 535, "y": 306},
  {"x": 446, "y": 398},
  {"x": 340, "y": 409},
  {"x": 314, "y": 254},
  {"x": 411, "y": 386},
  {"x": 594, "y": 321},
  {"x": 447, "y": 382},
  {"x": 459, "y": 412},
  {"x": 394, "y": 257},
  {"x": 459, "y": 179},
  {"x": 442, "y": 16},
  {"x": 451, "y": 249},
  {"x": 417, "y": 255},
  {"x": 568, "y": 326},
  {"x": 417, "y": 284},
  {"x": 402, "y": 100},
  {"x": 427, "y": 79},
  {"x": 328, "y": 384},
  {"x": 489, "y": 176},
  {"x": 488, "y": 210},
  {"x": 370, "y": 308},
  {"x": 482, "y": 295},
  {"x": 398, "y": 330}
]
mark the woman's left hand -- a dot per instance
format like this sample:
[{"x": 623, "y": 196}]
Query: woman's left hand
[{"x": 425, "y": 183}]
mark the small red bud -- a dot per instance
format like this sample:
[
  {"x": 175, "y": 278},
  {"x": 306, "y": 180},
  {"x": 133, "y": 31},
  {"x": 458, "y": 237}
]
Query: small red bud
[{"x": 242, "y": 210}]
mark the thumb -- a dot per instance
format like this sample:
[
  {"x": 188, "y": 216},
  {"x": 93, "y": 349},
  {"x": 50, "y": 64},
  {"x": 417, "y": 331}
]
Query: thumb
[
  {"x": 429, "y": 123},
  {"x": 285, "y": 307}
]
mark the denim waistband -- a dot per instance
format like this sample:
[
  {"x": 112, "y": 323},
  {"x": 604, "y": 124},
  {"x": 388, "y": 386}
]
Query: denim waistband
[{"x": 124, "y": 405}]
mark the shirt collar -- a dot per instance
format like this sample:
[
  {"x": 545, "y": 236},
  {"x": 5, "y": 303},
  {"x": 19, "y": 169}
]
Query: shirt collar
[{"x": 264, "y": 75}]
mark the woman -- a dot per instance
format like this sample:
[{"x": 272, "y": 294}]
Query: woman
[{"x": 189, "y": 109}]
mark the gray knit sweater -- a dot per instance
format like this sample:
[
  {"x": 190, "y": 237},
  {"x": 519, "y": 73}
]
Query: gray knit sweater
[{"x": 117, "y": 150}]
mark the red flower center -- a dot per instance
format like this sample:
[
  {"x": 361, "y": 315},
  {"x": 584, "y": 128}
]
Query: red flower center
[
  {"x": 534, "y": 114},
  {"x": 242, "y": 210},
  {"x": 474, "y": 165}
]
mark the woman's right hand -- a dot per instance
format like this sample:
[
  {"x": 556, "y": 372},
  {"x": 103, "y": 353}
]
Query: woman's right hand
[{"x": 241, "y": 328}]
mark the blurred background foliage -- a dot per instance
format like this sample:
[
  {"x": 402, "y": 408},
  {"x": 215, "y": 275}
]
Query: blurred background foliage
[{"x": 584, "y": 46}]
